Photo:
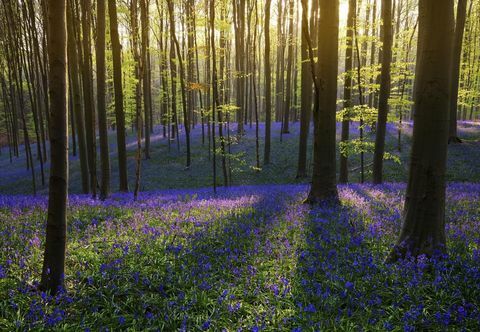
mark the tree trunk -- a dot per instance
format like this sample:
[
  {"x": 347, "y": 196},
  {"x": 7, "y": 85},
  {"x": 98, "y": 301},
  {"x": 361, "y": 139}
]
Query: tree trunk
[
  {"x": 423, "y": 230},
  {"x": 117, "y": 82},
  {"x": 268, "y": 85},
  {"x": 53, "y": 269},
  {"x": 102, "y": 112},
  {"x": 77, "y": 105},
  {"x": 146, "y": 74},
  {"x": 88, "y": 95},
  {"x": 347, "y": 89},
  {"x": 385, "y": 82},
  {"x": 288, "y": 92},
  {"x": 455, "y": 67},
  {"x": 324, "y": 186}
]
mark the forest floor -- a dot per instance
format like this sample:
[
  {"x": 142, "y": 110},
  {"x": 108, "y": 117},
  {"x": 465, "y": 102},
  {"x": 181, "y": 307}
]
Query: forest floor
[
  {"x": 251, "y": 258},
  {"x": 166, "y": 168}
]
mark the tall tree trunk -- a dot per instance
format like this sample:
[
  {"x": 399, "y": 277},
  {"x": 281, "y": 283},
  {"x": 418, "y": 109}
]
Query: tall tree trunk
[
  {"x": 347, "y": 89},
  {"x": 88, "y": 95},
  {"x": 324, "y": 146},
  {"x": 455, "y": 67},
  {"x": 101, "y": 106},
  {"x": 117, "y": 82},
  {"x": 146, "y": 73},
  {"x": 76, "y": 98},
  {"x": 288, "y": 92},
  {"x": 53, "y": 269},
  {"x": 268, "y": 85},
  {"x": 385, "y": 82},
  {"x": 423, "y": 230},
  {"x": 176, "y": 44}
]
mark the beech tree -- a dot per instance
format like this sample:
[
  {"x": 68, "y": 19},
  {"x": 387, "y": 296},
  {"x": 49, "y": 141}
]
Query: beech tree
[
  {"x": 423, "y": 230},
  {"x": 347, "y": 90},
  {"x": 117, "y": 82},
  {"x": 53, "y": 269},
  {"x": 324, "y": 185},
  {"x": 101, "y": 106},
  {"x": 268, "y": 85},
  {"x": 385, "y": 82},
  {"x": 455, "y": 67}
]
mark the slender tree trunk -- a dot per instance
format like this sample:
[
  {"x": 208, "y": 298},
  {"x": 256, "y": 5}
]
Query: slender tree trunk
[
  {"x": 76, "y": 99},
  {"x": 186, "y": 120},
  {"x": 117, "y": 82},
  {"x": 347, "y": 89},
  {"x": 288, "y": 92},
  {"x": 455, "y": 67},
  {"x": 101, "y": 106},
  {"x": 268, "y": 85},
  {"x": 385, "y": 82},
  {"x": 88, "y": 95},
  {"x": 53, "y": 269},
  {"x": 146, "y": 73}
]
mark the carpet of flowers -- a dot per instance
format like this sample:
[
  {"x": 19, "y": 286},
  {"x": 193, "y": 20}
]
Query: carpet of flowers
[{"x": 248, "y": 259}]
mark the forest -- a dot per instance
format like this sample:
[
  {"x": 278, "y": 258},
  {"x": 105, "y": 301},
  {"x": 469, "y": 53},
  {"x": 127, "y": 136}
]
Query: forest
[{"x": 240, "y": 165}]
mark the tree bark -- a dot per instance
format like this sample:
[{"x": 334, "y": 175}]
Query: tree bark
[
  {"x": 385, "y": 82},
  {"x": 347, "y": 89},
  {"x": 54, "y": 257},
  {"x": 423, "y": 230},
  {"x": 102, "y": 111},
  {"x": 117, "y": 82},
  {"x": 324, "y": 187},
  {"x": 455, "y": 67},
  {"x": 268, "y": 85}
]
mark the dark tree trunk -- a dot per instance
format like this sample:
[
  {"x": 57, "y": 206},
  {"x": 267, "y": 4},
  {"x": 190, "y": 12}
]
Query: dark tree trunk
[
  {"x": 324, "y": 186},
  {"x": 385, "y": 82},
  {"x": 455, "y": 67},
  {"x": 146, "y": 73},
  {"x": 117, "y": 82},
  {"x": 423, "y": 230},
  {"x": 268, "y": 85},
  {"x": 176, "y": 44},
  {"x": 101, "y": 106},
  {"x": 288, "y": 91},
  {"x": 88, "y": 95},
  {"x": 53, "y": 269},
  {"x": 76, "y": 99},
  {"x": 347, "y": 89}
]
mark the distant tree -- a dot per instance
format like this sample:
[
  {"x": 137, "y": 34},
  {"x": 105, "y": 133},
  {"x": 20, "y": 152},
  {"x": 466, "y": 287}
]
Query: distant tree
[
  {"x": 89, "y": 108},
  {"x": 268, "y": 85},
  {"x": 101, "y": 106},
  {"x": 347, "y": 90},
  {"x": 117, "y": 82},
  {"x": 423, "y": 230},
  {"x": 54, "y": 256},
  {"x": 290, "y": 55},
  {"x": 176, "y": 45},
  {"x": 385, "y": 83},
  {"x": 456, "y": 59},
  {"x": 324, "y": 182},
  {"x": 145, "y": 22}
]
